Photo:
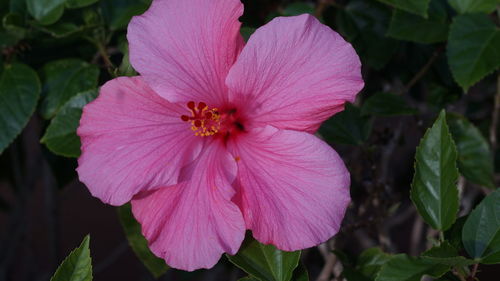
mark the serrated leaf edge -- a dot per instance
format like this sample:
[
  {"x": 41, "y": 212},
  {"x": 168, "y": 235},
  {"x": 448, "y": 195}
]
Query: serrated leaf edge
[
  {"x": 465, "y": 87},
  {"x": 86, "y": 241},
  {"x": 448, "y": 133},
  {"x": 39, "y": 86}
]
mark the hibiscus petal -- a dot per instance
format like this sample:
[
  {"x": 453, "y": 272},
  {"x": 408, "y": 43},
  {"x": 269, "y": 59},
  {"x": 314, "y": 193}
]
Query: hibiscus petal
[
  {"x": 293, "y": 188},
  {"x": 192, "y": 223},
  {"x": 294, "y": 73},
  {"x": 132, "y": 140},
  {"x": 184, "y": 49}
]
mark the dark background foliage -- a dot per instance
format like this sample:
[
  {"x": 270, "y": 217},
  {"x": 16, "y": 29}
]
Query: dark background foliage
[{"x": 419, "y": 57}]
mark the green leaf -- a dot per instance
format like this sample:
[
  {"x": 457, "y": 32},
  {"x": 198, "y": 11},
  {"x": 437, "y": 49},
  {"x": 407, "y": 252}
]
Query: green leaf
[
  {"x": 265, "y": 262},
  {"x": 364, "y": 24},
  {"x": 370, "y": 261},
  {"x": 138, "y": 243},
  {"x": 474, "y": 6},
  {"x": 64, "y": 79},
  {"x": 117, "y": 13},
  {"x": 17, "y": 6},
  {"x": 475, "y": 160},
  {"x": 125, "y": 68},
  {"x": 434, "y": 191},
  {"x": 446, "y": 254},
  {"x": 473, "y": 50},
  {"x": 347, "y": 127},
  {"x": 300, "y": 273},
  {"x": 92, "y": 19},
  {"x": 248, "y": 278},
  {"x": 440, "y": 96},
  {"x": 298, "y": 8},
  {"x": 454, "y": 234},
  {"x": 352, "y": 274},
  {"x": 404, "y": 268},
  {"x": 14, "y": 24},
  {"x": 46, "y": 11},
  {"x": 344, "y": 258},
  {"x": 77, "y": 266},
  {"x": 19, "y": 93},
  {"x": 246, "y": 32},
  {"x": 386, "y": 104},
  {"x": 73, "y": 4},
  {"x": 418, "y": 7},
  {"x": 7, "y": 40},
  {"x": 481, "y": 232},
  {"x": 60, "y": 136},
  {"x": 411, "y": 27},
  {"x": 61, "y": 29}
]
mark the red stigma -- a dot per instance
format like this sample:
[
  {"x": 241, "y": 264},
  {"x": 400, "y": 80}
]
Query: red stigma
[{"x": 204, "y": 121}]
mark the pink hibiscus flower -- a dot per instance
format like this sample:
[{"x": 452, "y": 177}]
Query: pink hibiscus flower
[{"x": 215, "y": 137}]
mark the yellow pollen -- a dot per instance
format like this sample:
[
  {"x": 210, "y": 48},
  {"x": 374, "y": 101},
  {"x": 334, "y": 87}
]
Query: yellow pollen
[{"x": 204, "y": 121}]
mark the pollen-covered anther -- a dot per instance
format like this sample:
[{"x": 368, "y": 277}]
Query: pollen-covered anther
[{"x": 204, "y": 121}]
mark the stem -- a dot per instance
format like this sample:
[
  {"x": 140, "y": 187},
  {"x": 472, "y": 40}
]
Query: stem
[
  {"x": 423, "y": 70},
  {"x": 472, "y": 275},
  {"x": 494, "y": 118},
  {"x": 387, "y": 153},
  {"x": 104, "y": 55},
  {"x": 320, "y": 8},
  {"x": 441, "y": 237},
  {"x": 100, "y": 41},
  {"x": 327, "y": 270},
  {"x": 323, "y": 5},
  {"x": 416, "y": 234},
  {"x": 458, "y": 275}
]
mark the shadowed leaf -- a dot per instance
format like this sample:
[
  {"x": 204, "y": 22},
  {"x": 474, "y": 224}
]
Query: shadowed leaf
[
  {"x": 265, "y": 262},
  {"x": 77, "y": 266},
  {"x": 138, "y": 243},
  {"x": 481, "y": 232},
  {"x": 473, "y": 50},
  {"x": 60, "y": 137},
  {"x": 434, "y": 191},
  {"x": 19, "y": 93},
  {"x": 475, "y": 161}
]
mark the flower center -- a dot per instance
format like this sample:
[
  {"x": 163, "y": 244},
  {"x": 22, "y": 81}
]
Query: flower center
[{"x": 206, "y": 121}]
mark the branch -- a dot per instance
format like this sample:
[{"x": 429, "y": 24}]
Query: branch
[
  {"x": 327, "y": 270},
  {"x": 323, "y": 5},
  {"x": 494, "y": 118},
  {"x": 416, "y": 235},
  {"x": 104, "y": 55},
  {"x": 472, "y": 276},
  {"x": 423, "y": 70}
]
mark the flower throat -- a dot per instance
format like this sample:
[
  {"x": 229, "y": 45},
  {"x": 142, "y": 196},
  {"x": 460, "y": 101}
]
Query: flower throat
[{"x": 207, "y": 121}]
